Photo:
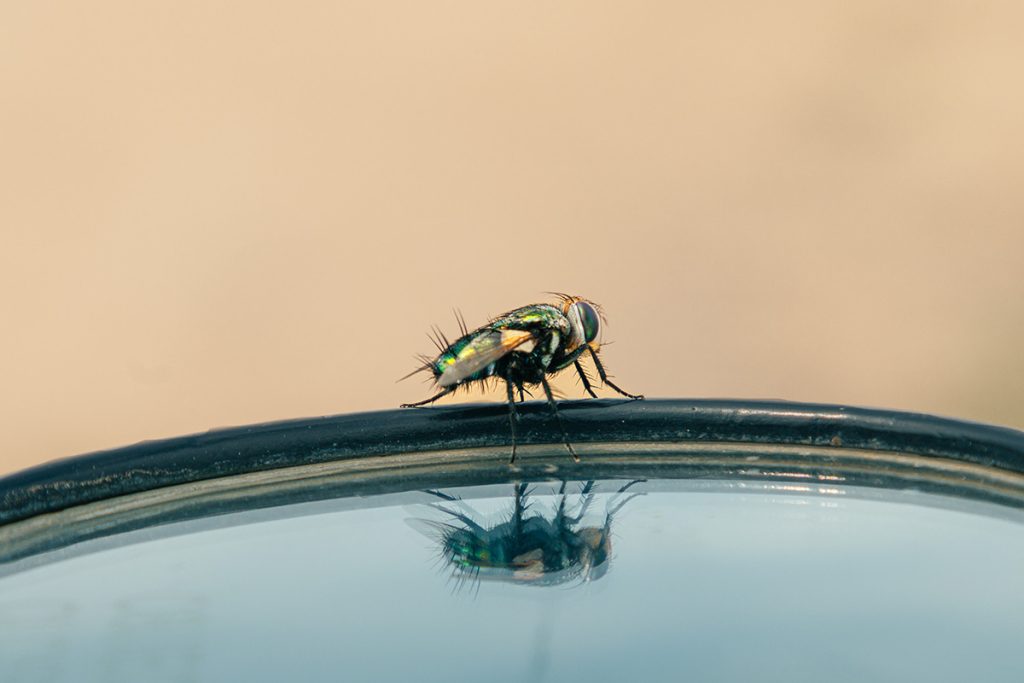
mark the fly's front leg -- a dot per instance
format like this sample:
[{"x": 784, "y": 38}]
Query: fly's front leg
[
  {"x": 614, "y": 505},
  {"x": 604, "y": 378},
  {"x": 588, "y": 497},
  {"x": 586, "y": 381},
  {"x": 513, "y": 417},
  {"x": 558, "y": 418},
  {"x": 429, "y": 400}
]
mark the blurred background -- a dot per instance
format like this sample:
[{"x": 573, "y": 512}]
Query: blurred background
[{"x": 223, "y": 213}]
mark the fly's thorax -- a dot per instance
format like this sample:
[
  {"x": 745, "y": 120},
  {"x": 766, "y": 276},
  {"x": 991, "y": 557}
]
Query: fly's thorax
[
  {"x": 522, "y": 367},
  {"x": 534, "y": 317},
  {"x": 552, "y": 348},
  {"x": 557, "y": 332},
  {"x": 510, "y": 337}
]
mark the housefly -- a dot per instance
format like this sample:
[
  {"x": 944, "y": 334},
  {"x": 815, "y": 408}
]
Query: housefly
[
  {"x": 522, "y": 347},
  {"x": 529, "y": 546}
]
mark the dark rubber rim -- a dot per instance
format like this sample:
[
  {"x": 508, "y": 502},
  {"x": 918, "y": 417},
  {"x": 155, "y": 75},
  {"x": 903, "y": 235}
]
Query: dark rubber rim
[{"x": 70, "y": 482}]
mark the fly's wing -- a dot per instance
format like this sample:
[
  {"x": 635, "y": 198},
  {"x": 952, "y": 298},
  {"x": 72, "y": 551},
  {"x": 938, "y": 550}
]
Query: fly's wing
[{"x": 480, "y": 352}]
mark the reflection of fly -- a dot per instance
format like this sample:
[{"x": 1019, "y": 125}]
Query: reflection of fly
[
  {"x": 529, "y": 549},
  {"x": 522, "y": 347}
]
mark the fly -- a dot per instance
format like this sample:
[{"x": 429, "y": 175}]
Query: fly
[
  {"x": 528, "y": 547},
  {"x": 522, "y": 347}
]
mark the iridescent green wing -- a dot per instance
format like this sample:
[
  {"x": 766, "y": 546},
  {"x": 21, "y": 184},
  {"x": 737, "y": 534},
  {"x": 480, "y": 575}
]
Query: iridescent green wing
[{"x": 480, "y": 350}]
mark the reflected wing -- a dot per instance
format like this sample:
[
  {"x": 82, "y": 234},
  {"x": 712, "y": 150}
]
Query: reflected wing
[{"x": 480, "y": 352}]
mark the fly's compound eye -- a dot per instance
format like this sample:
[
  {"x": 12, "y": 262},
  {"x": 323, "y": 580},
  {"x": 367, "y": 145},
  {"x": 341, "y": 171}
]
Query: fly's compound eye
[{"x": 590, "y": 320}]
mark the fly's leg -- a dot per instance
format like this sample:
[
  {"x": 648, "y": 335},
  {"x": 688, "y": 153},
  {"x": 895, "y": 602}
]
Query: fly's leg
[
  {"x": 586, "y": 381},
  {"x": 560, "y": 512},
  {"x": 558, "y": 418},
  {"x": 615, "y": 504},
  {"x": 630, "y": 485},
  {"x": 513, "y": 417},
  {"x": 604, "y": 378},
  {"x": 587, "y": 492},
  {"x": 520, "y": 509},
  {"x": 429, "y": 400}
]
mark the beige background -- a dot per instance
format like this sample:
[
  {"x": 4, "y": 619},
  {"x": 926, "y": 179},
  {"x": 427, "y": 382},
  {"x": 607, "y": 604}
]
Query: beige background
[{"x": 223, "y": 213}]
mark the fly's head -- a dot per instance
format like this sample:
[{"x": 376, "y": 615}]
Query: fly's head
[
  {"x": 585, "y": 319},
  {"x": 595, "y": 551}
]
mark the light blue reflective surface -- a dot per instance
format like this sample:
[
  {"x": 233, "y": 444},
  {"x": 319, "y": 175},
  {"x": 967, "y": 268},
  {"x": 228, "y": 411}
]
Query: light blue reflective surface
[{"x": 708, "y": 581}]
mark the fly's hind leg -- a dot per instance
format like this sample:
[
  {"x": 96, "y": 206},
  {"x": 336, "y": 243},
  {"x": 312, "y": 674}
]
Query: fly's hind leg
[
  {"x": 604, "y": 378},
  {"x": 513, "y": 417},
  {"x": 429, "y": 400},
  {"x": 558, "y": 418}
]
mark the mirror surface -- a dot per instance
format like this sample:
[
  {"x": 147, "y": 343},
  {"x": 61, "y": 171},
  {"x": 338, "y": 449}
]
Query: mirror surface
[{"x": 651, "y": 580}]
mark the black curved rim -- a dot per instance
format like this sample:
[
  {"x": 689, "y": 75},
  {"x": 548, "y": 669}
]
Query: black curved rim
[{"x": 148, "y": 466}]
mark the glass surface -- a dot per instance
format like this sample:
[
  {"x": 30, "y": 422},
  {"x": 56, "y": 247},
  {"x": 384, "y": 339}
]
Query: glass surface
[{"x": 705, "y": 581}]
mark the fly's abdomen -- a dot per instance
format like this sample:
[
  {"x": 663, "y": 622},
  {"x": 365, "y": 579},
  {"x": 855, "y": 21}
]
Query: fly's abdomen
[
  {"x": 475, "y": 355},
  {"x": 469, "y": 359}
]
